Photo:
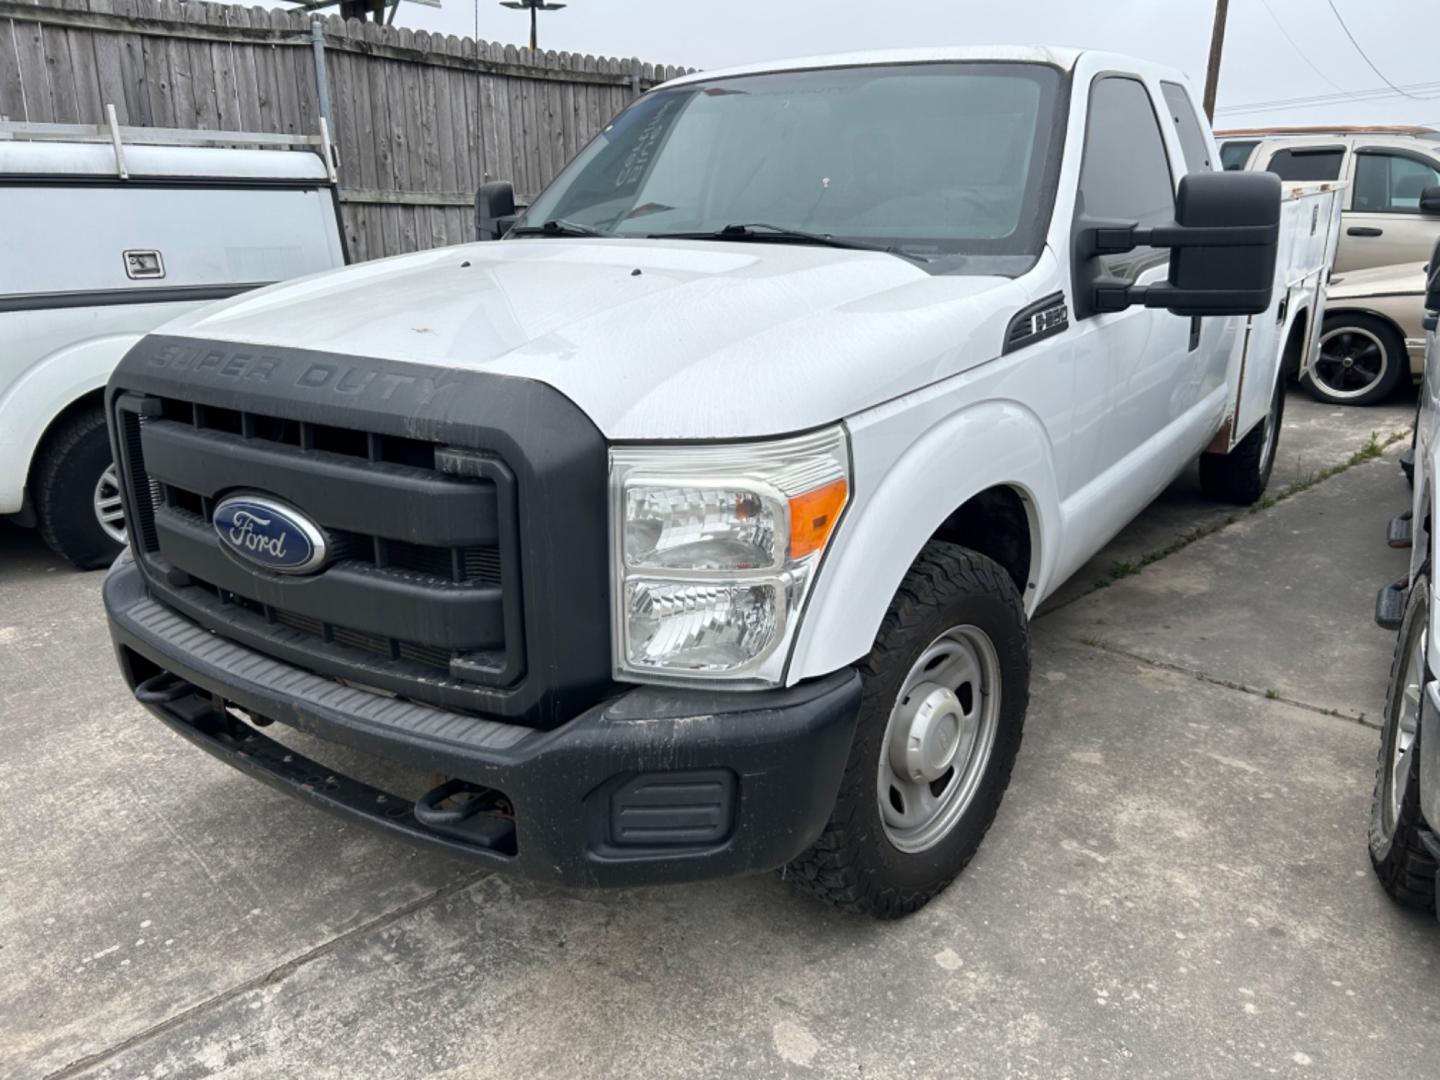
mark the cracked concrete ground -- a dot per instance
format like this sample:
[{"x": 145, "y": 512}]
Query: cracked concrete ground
[{"x": 1176, "y": 884}]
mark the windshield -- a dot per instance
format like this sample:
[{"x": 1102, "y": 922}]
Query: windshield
[{"x": 949, "y": 162}]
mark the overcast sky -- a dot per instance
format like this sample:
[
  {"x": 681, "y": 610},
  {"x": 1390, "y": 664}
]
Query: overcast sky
[{"x": 1263, "y": 66}]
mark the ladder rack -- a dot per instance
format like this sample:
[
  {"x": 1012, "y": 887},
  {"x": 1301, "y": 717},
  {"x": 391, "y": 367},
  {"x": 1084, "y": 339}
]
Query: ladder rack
[{"x": 119, "y": 137}]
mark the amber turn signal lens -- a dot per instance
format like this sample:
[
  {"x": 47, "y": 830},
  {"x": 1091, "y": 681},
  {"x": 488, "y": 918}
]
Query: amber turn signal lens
[{"x": 813, "y": 516}]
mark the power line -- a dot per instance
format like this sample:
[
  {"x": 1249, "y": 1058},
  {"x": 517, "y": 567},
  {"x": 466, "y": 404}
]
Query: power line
[
  {"x": 1243, "y": 111},
  {"x": 1369, "y": 99},
  {"x": 1377, "y": 94},
  {"x": 1363, "y": 55},
  {"x": 1299, "y": 51}
]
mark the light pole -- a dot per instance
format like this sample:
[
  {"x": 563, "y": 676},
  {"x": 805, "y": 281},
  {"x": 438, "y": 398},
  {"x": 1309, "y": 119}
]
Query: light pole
[{"x": 534, "y": 6}]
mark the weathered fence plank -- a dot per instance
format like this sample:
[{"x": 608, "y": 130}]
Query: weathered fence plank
[
  {"x": 418, "y": 120},
  {"x": 30, "y": 59},
  {"x": 12, "y": 91},
  {"x": 110, "y": 82}
]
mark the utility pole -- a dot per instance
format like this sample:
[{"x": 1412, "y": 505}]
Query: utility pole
[{"x": 1217, "y": 46}]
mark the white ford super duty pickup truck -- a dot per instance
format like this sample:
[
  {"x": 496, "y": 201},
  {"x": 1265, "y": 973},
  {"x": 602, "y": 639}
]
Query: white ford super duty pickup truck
[{"x": 693, "y": 527}]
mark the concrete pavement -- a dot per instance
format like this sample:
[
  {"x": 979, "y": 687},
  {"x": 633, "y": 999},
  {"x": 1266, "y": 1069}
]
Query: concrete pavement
[{"x": 1176, "y": 885}]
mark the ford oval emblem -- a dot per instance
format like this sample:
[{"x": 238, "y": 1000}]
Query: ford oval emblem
[{"x": 270, "y": 535}]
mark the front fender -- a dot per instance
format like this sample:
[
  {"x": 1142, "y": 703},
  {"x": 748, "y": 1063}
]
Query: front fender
[{"x": 906, "y": 485}]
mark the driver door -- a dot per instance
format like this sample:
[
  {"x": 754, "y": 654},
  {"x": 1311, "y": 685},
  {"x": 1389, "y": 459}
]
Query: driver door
[{"x": 1136, "y": 361}]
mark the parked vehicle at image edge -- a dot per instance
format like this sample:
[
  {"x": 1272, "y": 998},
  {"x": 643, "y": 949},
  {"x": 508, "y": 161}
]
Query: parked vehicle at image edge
[
  {"x": 1403, "y": 846},
  {"x": 693, "y": 528},
  {"x": 1391, "y": 218},
  {"x": 1237, "y": 144},
  {"x": 106, "y": 238},
  {"x": 1373, "y": 337}
]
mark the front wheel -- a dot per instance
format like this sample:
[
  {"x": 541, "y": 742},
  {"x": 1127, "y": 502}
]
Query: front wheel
[
  {"x": 1241, "y": 476},
  {"x": 1400, "y": 858},
  {"x": 945, "y": 691}
]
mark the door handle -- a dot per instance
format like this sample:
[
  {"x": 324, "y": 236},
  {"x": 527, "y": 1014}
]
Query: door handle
[{"x": 1363, "y": 230}]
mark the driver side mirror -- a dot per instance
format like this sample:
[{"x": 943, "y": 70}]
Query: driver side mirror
[
  {"x": 1223, "y": 247},
  {"x": 494, "y": 209},
  {"x": 1430, "y": 200}
]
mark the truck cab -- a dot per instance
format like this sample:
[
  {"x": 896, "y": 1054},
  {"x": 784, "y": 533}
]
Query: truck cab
[
  {"x": 109, "y": 232},
  {"x": 693, "y": 528}
]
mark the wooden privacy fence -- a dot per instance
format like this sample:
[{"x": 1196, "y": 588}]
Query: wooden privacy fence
[{"x": 419, "y": 120}]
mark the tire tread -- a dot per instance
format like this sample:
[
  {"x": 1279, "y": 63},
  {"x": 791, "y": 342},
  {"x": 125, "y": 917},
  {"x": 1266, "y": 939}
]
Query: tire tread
[
  {"x": 831, "y": 869},
  {"x": 1405, "y": 868},
  {"x": 51, "y": 509}
]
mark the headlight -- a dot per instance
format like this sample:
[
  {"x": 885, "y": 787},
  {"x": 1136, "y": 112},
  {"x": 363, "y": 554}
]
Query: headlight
[{"x": 715, "y": 549}]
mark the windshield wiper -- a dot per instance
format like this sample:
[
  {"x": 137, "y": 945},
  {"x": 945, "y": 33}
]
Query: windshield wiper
[
  {"x": 557, "y": 227},
  {"x": 764, "y": 232}
]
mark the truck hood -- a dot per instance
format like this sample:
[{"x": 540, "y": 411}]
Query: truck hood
[{"x": 652, "y": 339}]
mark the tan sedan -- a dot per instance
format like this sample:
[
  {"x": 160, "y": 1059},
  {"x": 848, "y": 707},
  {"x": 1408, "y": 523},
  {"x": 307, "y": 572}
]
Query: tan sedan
[{"x": 1372, "y": 339}]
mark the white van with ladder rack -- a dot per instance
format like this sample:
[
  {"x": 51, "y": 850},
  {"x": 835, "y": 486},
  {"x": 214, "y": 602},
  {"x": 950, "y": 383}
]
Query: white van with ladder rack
[{"x": 109, "y": 232}]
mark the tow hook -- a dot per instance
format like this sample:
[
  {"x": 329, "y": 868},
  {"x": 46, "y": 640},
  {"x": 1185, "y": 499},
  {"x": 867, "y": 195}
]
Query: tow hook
[{"x": 485, "y": 817}]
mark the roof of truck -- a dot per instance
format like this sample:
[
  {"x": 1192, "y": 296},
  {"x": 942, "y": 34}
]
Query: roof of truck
[
  {"x": 1035, "y": 54},
  {"x": 19, "y": 157}
]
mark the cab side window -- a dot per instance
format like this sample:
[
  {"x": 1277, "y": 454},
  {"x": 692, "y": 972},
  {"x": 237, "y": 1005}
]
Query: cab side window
[
  {"x": 1391, "y": 183},
  {"x": 1125, "y": 173},
  {"x": 1308, "y": 164},
  {"x": 1192, "y": 138},
  {"x": 1235, "y": 153}
]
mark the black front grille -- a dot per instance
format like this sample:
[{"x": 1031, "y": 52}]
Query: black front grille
[
  {"x": 474, "y": 564},
  {"x": 436, "y": 659},
  {"x": 327, "y": 438},
  {"x": 466, "y": 512},
  {"x": 141, "y": 509},
  {"x": 417, "y": 575}
]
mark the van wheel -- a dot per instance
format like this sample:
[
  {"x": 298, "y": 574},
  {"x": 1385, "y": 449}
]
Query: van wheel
[
  {"x": 1241, "y": 476},
  {"x": 1361, "y": 361},
  {"x": 945, "y": 690},
  {"x": 1400, "y": 858},
  {"x": 77, "y": 493}
]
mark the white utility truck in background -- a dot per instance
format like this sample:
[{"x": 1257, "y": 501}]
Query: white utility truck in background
[
  {"x": 108, "y": 232},
  {"x": 693, "y": 527}
]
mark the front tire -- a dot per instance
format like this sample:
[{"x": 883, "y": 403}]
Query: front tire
[
  {"x": 77, "y": 495},
  {"x": 1361, "y": 360},
  {"x": 946, "y": 687},
  {"x": 1241, "y": 476},
  {"x": 1401, "y": 860}
]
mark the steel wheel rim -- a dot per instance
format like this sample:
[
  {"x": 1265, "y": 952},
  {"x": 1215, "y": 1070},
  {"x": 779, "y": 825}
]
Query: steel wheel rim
[
  {"x": 939, "y": 739},
  {"x": 1401, "y": 738},
  {"x": 1345, "y": 351},
  {"x": 109, "y": 510}
]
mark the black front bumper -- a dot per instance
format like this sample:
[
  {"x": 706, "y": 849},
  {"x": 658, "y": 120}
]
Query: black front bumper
[{"x": 651, "y": 786}]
